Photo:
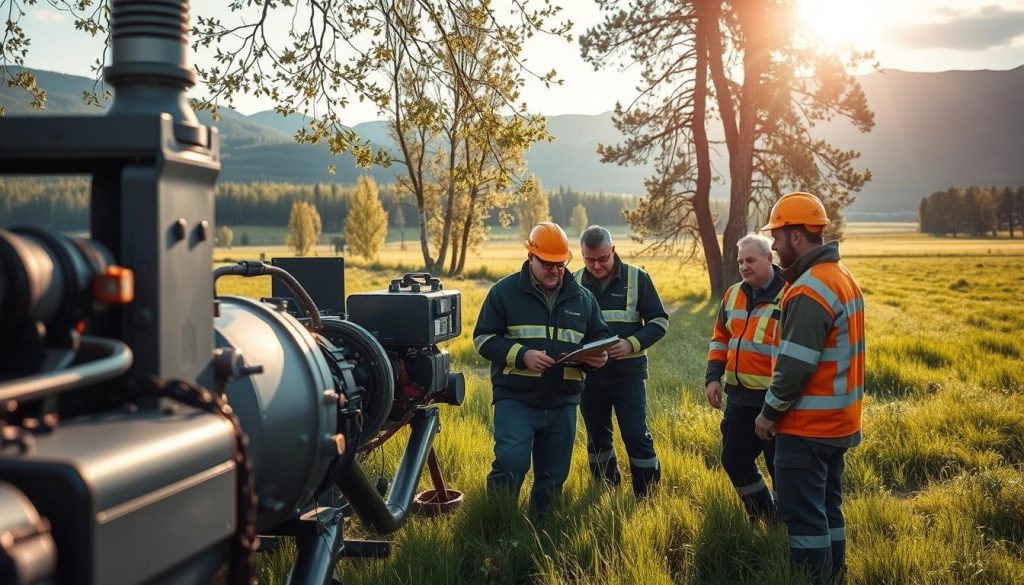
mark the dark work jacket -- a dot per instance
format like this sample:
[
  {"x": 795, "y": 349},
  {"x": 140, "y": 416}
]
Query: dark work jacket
[
  {"x": 633, "y": 310},
  {"x": 515, "y": 318}
]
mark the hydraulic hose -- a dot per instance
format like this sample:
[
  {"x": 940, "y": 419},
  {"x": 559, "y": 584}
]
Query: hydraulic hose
[{"x": 249, "y": 268}]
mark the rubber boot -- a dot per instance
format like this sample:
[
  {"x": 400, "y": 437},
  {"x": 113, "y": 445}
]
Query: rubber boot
[
  {"x": 816, "y": 561},
  {"x": 607, "y": 472},
  {"x": 645, "y": 480}
]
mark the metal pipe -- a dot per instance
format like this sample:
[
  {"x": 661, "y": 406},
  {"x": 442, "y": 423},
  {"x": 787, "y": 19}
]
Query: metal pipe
[
  {"x": 318, "y": 550},
  {"x": 115, "y": 362},
  {"x": 387, "y": 517},
  {"x": 248, "y": 269}
]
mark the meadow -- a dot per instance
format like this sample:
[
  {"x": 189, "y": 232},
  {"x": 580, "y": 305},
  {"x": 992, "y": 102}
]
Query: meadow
[{"x": 934, "y": 495}]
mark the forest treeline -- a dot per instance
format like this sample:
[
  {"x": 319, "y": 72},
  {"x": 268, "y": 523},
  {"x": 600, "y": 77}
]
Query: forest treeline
[
  {"x": 63, "y": 203},
  {"x": 974, "y": 211}
]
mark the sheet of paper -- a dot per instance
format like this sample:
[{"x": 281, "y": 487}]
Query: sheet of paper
[{"x": 591, "y": 349}]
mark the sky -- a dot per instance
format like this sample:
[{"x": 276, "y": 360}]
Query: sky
[{"x": 911, "y": 35}]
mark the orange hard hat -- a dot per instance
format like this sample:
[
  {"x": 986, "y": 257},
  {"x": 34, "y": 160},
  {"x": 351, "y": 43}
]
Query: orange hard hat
[
  {"x": 798, "y": 208},
  {"x": 549, "y": 243}
]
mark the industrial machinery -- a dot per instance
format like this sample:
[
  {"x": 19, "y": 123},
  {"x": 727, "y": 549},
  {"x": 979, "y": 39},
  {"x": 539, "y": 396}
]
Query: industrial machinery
[{"x": 150, "y": 430}]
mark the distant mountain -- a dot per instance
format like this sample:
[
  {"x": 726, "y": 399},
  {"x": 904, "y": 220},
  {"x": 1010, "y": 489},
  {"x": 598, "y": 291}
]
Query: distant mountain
[{"x": 933, "y": 130}]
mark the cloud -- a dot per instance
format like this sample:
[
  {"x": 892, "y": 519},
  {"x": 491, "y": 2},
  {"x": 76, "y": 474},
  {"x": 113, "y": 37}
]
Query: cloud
[
  {"x": 48, "y": 16},
  {"x": 989, "y": 26}
]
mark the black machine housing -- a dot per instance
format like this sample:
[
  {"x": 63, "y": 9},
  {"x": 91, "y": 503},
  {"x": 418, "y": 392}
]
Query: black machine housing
[{"x": 150, "y": 430}]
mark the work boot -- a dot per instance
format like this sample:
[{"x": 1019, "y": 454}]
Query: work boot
[
  {"x": 760, "y": 505},
  {"x": 645, "y": 480},
  {"x": 839, "y": 561},
  {"x": 608, "y": 472}
]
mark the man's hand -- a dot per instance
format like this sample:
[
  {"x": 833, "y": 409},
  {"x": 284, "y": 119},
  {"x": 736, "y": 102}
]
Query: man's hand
[
  {"x": 621, "y": 349},
  {"x": 714, "y": 393},
  {"x": 764, "y": 428},
  {"x": 596, "y": 361},
  {"x": 537, "y": 360}
]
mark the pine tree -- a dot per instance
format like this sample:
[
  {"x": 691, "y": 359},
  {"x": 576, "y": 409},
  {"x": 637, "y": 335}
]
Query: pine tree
[{"x": 367, "y": 225}]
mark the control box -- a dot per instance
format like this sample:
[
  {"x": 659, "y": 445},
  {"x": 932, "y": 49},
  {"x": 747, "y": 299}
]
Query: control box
[{"x": 414, "y": 311}]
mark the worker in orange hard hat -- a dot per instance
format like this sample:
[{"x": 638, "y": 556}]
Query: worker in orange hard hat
[
  {"x": 812, "y": 408},
  {"x": 526, "y": 322}
]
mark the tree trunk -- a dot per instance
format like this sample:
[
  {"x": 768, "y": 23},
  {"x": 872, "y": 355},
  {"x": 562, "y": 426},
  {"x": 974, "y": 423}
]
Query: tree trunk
[
  {"x": 466, "y": 227},
  {"x": 701, "y": 199}
]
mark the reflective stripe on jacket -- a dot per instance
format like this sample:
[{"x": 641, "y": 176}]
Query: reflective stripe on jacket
[
  {"x": 633, "y": 310},
  {"x": 818, "y": 385},
  {"x": 515, "y": 318},
  {"x": 745, "y": 336}
]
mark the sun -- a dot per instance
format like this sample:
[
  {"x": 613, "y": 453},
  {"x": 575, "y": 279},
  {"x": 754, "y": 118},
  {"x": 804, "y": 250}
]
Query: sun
[{"x": 839, "y": 24}]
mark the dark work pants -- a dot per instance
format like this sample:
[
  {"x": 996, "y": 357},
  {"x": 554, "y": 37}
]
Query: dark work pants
[
  {"x": 545, "y": 434},
  {"x": 629, "y": 401},
  {"x": 740, "y": 450},
  {"x": 809, "y": 482}
]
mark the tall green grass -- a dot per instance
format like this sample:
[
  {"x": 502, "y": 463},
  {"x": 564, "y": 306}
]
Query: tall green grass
[{"x": 934, "y": 495}]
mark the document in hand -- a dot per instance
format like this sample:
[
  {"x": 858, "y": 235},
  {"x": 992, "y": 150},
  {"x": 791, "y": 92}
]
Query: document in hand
[{"x": 591, "y": 349}]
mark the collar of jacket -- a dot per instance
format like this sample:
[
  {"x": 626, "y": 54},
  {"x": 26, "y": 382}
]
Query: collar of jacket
[
  {"x": 618, "y": 271},
  {"x": 826, "y": 253},
  {"x": 768, "y": 292},
  {"x": 569, "y": 288}
]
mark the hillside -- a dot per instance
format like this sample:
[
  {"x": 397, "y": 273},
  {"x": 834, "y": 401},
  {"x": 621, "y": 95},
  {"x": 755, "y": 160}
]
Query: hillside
[{"x": 933, "y": 130}]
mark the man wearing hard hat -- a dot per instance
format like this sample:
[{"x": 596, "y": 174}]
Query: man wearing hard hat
[
  {"x": 527, "y": 321},
  {"x": 813, "y": 406}
]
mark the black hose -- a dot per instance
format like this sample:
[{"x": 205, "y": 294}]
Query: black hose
[
  {"x": 387, "y": 517},
  {"x": 249, "y": 268},
  {"x": 115, "y": 361}
]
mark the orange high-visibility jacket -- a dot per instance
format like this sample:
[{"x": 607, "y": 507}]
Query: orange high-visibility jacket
[
  {"x": 745, "y": 340},
  {"x": 822, "y": 335}
]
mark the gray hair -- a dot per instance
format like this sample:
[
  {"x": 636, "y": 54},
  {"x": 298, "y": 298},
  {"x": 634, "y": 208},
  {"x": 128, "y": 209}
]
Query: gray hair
[
  {"x": 594, "y": 236},
  {"x": 762, "y": 242}
]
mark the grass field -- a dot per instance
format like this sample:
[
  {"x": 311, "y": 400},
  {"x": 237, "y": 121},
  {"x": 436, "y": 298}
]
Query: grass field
[{"x": 934, "y": 495}]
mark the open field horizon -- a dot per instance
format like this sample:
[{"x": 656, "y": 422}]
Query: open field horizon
[{"x": 934, "y": 495}]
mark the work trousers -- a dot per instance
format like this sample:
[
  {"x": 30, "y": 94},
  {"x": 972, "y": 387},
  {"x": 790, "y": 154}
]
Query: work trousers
[
  {"x": 629, "y": 401},
  {"x": 809, "y": 484},
  {"x": 522, "y": 432},
  {"x": 740, "y": 450}
]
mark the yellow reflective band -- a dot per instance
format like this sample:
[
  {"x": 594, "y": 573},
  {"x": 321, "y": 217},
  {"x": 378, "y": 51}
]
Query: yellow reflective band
[
  {"x": 755, "y": 382},
  {"x": 762, "y": 326},
  {"x": 632, "y": 276},
  {"x": 569, "y": 335},
  {"x": 634, "y": 342},
  {"x": 480, "y": 340},
  {"x": 614, "y": 316},
  {"x": 527, "y": 332},
  {"x": 571, "y": 373},
  {"x": 518, "y": 372},
  {"x": 510, "y": 359}
]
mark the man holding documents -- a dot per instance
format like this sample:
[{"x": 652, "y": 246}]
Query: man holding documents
[
  {"x": 631, "y": 306},
  {"x": 527, "y": 322}
]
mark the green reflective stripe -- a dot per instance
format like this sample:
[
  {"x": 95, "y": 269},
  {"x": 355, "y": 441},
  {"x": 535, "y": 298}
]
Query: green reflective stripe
[
  {"x": 818, "y": 541},
  {"x": 759, "y": 331},
  {"x": 774, "y": 402},
  {"x": 660, "y": 322},
  {"x": 578, "y": 276},
  {"x": 510, "y": 358},
  {"x": 633, "y": 341},
  {"x": 614, "y": 316},
  {"x": 755, "y": 382},
  {"x": 571, "y": 373},
  {"x": 730, "y": 298},
  {"x": 718, "y": 346},
  {"x": 632, "y": 276},
  {"x": 517, "y": 372},
  {"x": 570, "y": 335},
  {"x": 648, "y": 463},
  {"x": 799, "y": 352},
  {"x": 729, "y": 377},
  {"x": 828, "y": 402},
  {"x": 527, "y": 332},
  {"x": 480, "y": 340}
]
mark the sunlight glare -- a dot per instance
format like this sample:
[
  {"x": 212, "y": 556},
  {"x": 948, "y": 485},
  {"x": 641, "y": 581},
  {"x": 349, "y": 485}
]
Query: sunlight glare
[{"x": 836, "y": 24}]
